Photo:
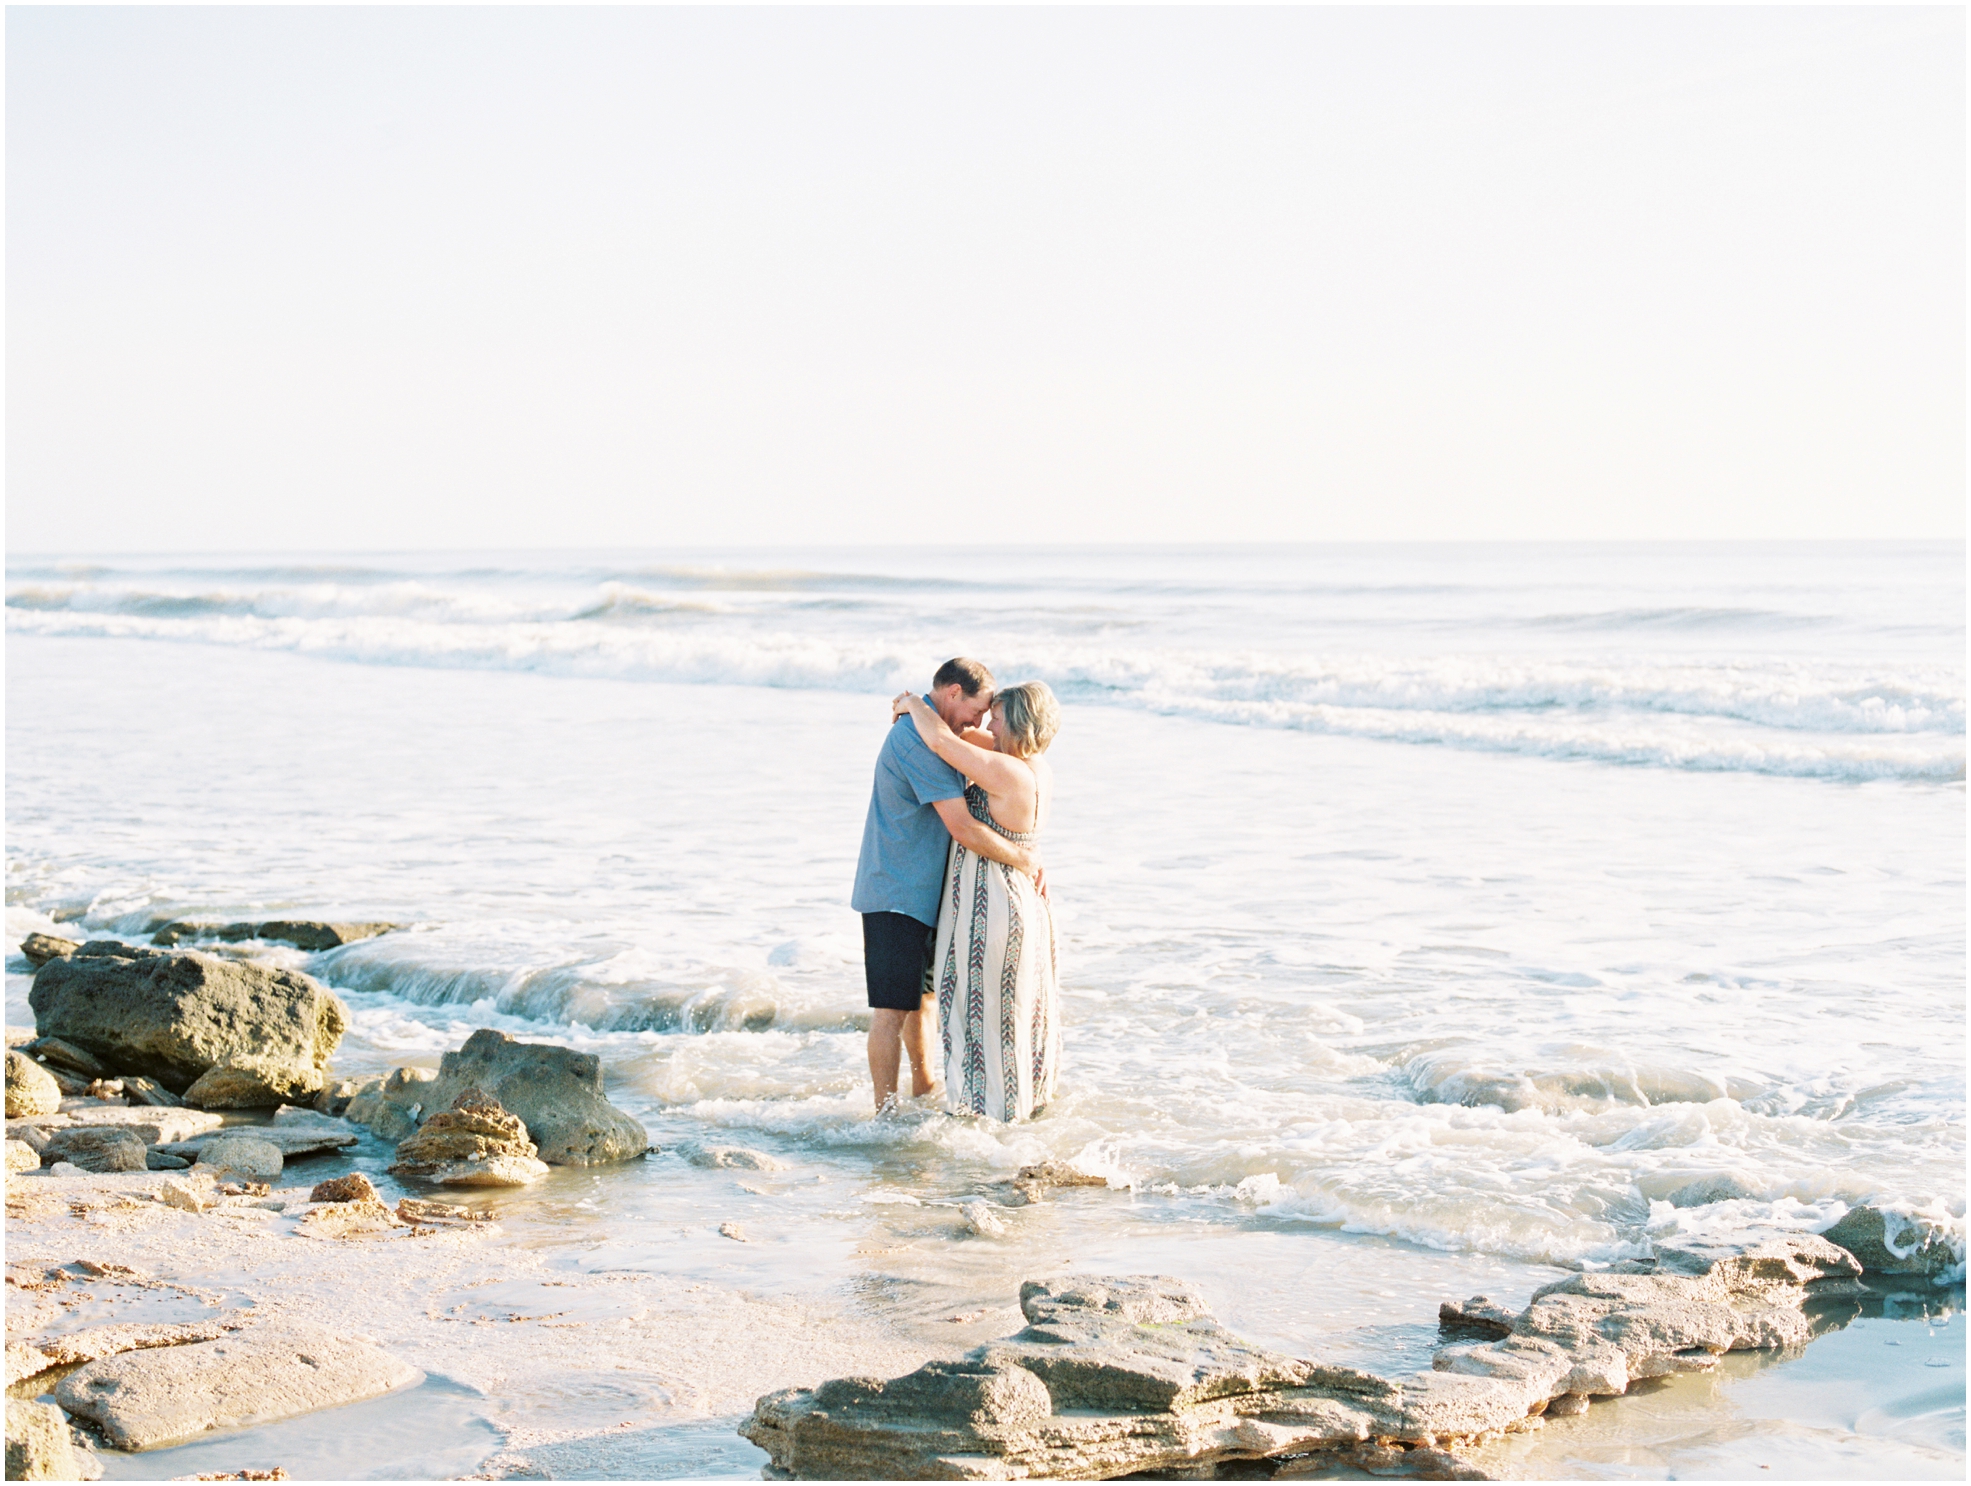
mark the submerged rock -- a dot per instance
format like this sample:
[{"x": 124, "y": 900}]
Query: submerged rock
[
  {"x": 310, "y": 934},
  {"x": 39, "y": 949},
  {"x": 254, "y": 1081},
  {"x": 1888, "y": 1242},
  {"x": 475, "y": 1143},
  {"x": 39, "y": 1448},
  {"x": 96, "y": 1148},
  {"x": 273, "y": 1370},
  {"x": 31, "y": 1089},
  {"x": 731, "y": 1157},
  {"x": 170, "y": 1017},
  {"x": 556, "y": 1091},
  {"x": 1115, "y": 1377}
]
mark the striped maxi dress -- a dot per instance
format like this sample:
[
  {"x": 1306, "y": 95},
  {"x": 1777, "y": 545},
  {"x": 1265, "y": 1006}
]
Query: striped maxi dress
[{"x": 999, "y": 1011}]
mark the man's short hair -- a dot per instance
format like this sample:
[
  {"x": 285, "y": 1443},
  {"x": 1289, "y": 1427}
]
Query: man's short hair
[{"x": 972, "y": 677}]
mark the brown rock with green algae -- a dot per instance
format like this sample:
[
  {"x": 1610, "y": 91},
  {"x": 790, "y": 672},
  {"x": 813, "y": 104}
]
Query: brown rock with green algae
[
  {"x": 171, "y": 1016},
  {"x": 1113, "y": 1377}
]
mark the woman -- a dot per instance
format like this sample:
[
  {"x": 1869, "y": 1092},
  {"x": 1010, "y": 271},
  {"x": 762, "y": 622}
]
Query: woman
[{"x": 998, "y": 996}]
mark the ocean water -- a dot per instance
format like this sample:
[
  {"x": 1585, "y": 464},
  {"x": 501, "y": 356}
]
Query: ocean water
[{"x": 1433, "y": 919}]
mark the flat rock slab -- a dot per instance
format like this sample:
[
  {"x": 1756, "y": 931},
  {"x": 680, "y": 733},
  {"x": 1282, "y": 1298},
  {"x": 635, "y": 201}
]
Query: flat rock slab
[
  {"x": 290, "y": 1140},
  {"x": 152, "y": 1125},
  {"x": 274, "y": 1370}
]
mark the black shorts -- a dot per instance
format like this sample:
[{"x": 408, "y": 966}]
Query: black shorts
[{"x": 896, "y": 960}]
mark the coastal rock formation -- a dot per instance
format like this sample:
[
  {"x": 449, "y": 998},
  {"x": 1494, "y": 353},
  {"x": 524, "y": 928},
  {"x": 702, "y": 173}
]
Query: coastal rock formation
[
  {"x": 556, "y": 1091},
  {"x": 475, "y": 1143},
  {"x": 158, "y": 1160},
  {"x": 310, "y": 934},
  {"x": 253, "y": 1081},
  {"x": 31, "y": 1089},
  {"x": 272, "y": 1370},
  {"x": 240, "y": 1158},
  {"x": 39, "y": 949},
  {"x": 21, "y": 1156},
  {"x": 392, "y": 1104},
  {"x": 1890, "y": 1242},
  {"x": 95, "y": 1148},
  {"x": 39, "y": 1448},
  {"x": 1113, "y": 1377},
  {"x": 170, "y": 1017}
]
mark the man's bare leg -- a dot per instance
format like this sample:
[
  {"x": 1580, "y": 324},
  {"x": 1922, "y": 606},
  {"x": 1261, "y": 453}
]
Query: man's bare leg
[
  {"x": 917, "y": 1043},
  {"x": 886, "y": 1029}
]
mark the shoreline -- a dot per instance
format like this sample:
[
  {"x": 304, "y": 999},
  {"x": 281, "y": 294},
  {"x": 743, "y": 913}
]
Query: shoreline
[{"x": 687, "y": 1360}]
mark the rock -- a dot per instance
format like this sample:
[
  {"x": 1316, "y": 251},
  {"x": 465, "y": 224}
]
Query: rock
[
  {"x": 31, "y": 1089},
  {"x": 1119, "y": 1377},
  {"x": 475, "y": 1143},
  {"x": 188, "y": 1196},
  {"x": 38, "y": 1445},
  {"x": 66, "y": 1055},
  {"x": 106, "y": 1088},
  {"x": 150, "y": 1125},
  {"x": 149, "y": 1092},
  {"x": 21, "y": 1157},
  {"x": 734, "y": 1232},
  {"x": 240, "y": 1158},
  {"x": 65, "y": 1169},
  {"x": 28, "y": 1133},
  {"x": 311, "y": 935},
  {"x": 301, "y": 933},
  {"x": 365, "y": 1217},
  {"x": 355, "y": 1187},
  {"x": 169, "y": 1017},
  {"x": 96, "y": 1148},
  {"x": 1033, "y": 1180},
  {"x": 19, "y": 1036},
  {"x": 95, "y": 1342},
  {"x": 981, "y": 1218},
  {"x": 555, "y": 1090},
  {"x": 290, "y": 1141},
  {"x": 72, "y": 1085},
  {"x": 1888, "y": 1242},
  {"x": 391, "y": 1105},
  {"x": 41, "y": 948},
  {"x": 411, "y": 1210},
  {"x": 273, "y": 1370},
  {"x": 158, "y": 1160},
  {"x": 251, "y": 1081},
  {"x": 335, "y": 1096},
  {"x": 731, "y": 1157},
  {"x": 1706, "y": 1190}
]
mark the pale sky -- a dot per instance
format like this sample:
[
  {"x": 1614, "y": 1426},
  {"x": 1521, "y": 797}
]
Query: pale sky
[{"x": 375, "y": 278}]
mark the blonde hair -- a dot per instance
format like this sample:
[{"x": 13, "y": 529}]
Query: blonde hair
[{"x": 1032, "y": 716}]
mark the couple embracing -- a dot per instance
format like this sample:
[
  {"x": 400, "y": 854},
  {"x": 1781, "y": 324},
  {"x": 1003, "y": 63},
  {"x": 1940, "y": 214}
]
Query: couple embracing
[{"x": 953, "y": 900}]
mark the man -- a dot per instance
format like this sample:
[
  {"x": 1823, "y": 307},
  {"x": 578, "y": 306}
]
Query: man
[{"x": 916, "y": 811}]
